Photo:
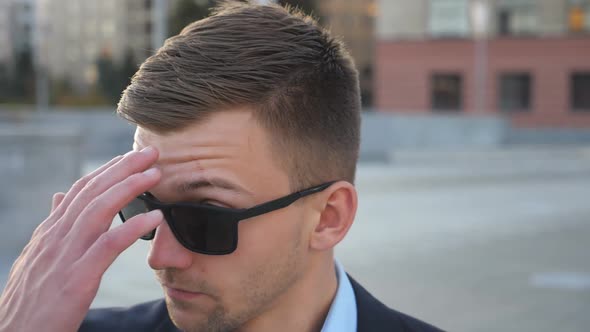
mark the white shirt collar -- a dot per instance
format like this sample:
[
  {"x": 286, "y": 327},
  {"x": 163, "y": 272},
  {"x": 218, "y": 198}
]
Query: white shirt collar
[{"x": 342, "y": 316}]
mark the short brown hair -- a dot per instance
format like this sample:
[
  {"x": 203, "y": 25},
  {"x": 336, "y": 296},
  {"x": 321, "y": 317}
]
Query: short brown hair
[{"x": 299, "y": 80}]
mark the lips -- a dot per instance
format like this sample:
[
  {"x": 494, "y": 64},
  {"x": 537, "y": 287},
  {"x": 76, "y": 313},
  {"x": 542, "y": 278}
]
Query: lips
[{"x": 181, "y": 294}]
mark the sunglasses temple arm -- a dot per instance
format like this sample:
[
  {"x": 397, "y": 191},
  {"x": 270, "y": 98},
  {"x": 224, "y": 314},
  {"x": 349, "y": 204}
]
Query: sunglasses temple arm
[{"x": 282, "y": 202}]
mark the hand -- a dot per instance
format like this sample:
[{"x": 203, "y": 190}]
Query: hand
[{"x": 53, "y": 282}]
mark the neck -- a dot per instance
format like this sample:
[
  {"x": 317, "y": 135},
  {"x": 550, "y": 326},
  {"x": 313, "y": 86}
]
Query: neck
[{"x": 305, "y": 305}]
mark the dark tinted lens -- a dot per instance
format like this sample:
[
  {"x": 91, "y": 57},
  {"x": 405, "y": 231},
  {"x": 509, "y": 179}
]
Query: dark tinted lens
[
  {"x": 137, "y": 206},
  {"x": 204, "y": 230}
]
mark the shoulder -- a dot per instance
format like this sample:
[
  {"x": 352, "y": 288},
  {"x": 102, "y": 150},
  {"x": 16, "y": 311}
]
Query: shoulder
[
  {"x": 376, "y": 316},
  {"x": 149, "y": 316}
]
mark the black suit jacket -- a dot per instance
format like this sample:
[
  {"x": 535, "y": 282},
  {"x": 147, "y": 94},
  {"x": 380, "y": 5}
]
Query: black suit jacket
[{"x": 373, "y": 316}]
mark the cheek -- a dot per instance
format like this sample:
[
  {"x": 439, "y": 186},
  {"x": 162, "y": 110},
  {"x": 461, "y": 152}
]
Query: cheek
[
  {"x": 263, "y": 243},
  {"x": 269, "y": 259},
  {"x": 262, "y": 236}
]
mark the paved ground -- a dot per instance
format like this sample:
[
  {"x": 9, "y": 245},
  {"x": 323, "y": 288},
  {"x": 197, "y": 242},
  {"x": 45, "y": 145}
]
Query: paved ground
[
  {"x": 499, "y": 256},
  {"x": 497, "y": 241}
]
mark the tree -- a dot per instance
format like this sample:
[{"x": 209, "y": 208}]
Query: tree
[
  {"x": 108, "y": 77},
  {"x": 5, "y": 84},
  {"x": 24, "y": 76},
  {"x": 112, "y": 78},
  {"x": 186, "y": 12},
  {"x": 126, "y": 70}
]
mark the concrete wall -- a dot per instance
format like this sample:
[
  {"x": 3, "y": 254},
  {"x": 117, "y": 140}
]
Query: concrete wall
[
  {"x": 383, "y": 134},
  {"x": 104, "y": 134}
]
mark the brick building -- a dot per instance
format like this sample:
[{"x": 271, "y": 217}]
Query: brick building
[{"x": 526, "y": 59}]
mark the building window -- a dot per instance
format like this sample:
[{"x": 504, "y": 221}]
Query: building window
[
  {"x": 514, "y": 92},
  {"x": 108, "y": 29},
  {"x": 580, "y": 91},
  {"x": 446, "y": 91},
  {"x": 517, "y": 17},
  {"x": 448, "y": 18}
]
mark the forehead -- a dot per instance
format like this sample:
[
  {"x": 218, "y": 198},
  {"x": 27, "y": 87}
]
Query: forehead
[
  {"x": 229, "y": 128},
  {"x": 229, "y": 145}
]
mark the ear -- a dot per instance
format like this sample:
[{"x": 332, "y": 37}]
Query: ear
[{"x": 337, "y": 213}]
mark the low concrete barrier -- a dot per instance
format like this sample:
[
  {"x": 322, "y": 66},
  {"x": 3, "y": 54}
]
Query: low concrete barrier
[
  {"x": 383, "y": 133},
  {"x": 104, "y": 134}
]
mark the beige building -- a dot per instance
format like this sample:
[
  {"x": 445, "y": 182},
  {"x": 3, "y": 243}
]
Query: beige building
[
  {"x": 72, "y": 34},
  {"x": 422, "y": 19}
]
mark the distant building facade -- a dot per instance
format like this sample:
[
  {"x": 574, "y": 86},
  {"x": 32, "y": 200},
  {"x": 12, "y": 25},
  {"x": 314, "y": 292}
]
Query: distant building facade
[
  {"x": 354, "y": 22},
  {"x": 526, "y": 59},
  {"x": 73, "y": 34}
]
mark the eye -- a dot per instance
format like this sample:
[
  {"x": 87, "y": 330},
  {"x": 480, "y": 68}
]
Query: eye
[{"x": 208, "y": 202}]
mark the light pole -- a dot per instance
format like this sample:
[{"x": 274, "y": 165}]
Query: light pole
[
  {"x": 159, "y": 16},
  {"x": 40, "y": 61},
  {"x": 480, "y": 22}
]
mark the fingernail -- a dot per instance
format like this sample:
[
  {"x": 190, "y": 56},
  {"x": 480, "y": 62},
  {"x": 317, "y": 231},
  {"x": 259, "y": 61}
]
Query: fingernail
[
  {"x": 147, "y": 150},
  {"x": 152, "y": 172}
]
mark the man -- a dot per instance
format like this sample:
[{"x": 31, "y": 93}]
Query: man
[{"x": 242, "y": 177}]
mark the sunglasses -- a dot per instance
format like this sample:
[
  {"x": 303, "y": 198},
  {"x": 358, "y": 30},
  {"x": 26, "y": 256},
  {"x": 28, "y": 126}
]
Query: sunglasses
[{"x": 207, "y": 229}]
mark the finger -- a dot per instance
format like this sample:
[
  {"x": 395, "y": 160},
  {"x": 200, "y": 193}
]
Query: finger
[
  {"x": 111, "y": 244},
  {"x": 57, "y": 199},
  {"x": 131, "y": 164},
  {"x": 58, "y": 210},
  {"x": 79, "y": 185},
  {"x": 98, "y": 215}
]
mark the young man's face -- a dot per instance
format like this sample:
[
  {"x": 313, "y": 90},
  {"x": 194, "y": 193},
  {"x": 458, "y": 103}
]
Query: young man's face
[{"x": 223, "y": 292}]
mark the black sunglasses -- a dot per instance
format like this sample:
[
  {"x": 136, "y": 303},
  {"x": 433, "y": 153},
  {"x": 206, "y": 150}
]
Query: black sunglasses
[{"x": 207, "y": 229}]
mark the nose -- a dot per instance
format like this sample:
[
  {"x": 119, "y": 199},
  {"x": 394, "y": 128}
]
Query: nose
[{"x": 166, "y": 252}]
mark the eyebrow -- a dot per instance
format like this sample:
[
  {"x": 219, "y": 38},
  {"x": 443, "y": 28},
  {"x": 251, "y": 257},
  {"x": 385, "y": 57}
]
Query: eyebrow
[{"x": 213, "y": 183}]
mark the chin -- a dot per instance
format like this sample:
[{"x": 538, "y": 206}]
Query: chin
[
  {"x": 186, "y": 317},
  {"x": 192, "y": 317}
]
